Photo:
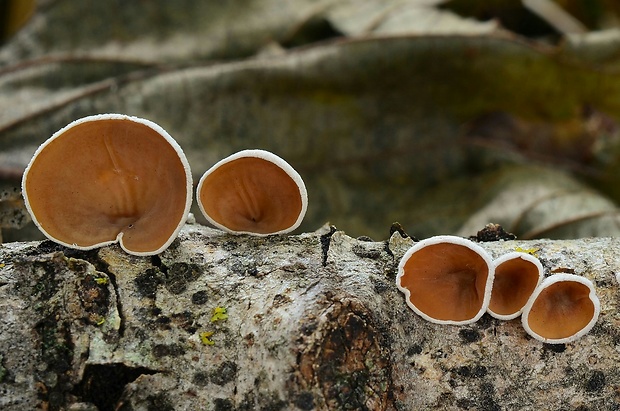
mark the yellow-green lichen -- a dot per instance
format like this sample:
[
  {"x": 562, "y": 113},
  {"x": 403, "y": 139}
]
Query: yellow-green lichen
[{"x": 219, "y": 314}]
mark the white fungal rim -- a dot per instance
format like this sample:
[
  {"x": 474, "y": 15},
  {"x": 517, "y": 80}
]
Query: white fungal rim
[
  {"x": 556, "y": 278},
  {"x": 450, "y": 240},
  {"x": 272, "y": 158},
  {"x": 119, "y": 238},
  {"x": 511, "y": 256}
]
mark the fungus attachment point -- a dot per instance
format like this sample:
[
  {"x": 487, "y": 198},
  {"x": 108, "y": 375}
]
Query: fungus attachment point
[
  {"x": 253, "y": 192},
  {"x": 109, "y": 178},
  {"x": 563, "y": 308},
  {"x": 516, "y": 277},
  {"x": 446, "y": 279}
]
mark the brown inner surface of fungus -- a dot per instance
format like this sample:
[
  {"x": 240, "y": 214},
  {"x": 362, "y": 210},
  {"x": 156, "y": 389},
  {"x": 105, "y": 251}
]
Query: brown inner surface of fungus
[
  {"x": 446, "y": 281},
  {"x": 561, "y": 310},
  {"x": 252, "y": 195},
  {"x": 103, "y": 177},
  {"x": 515, "y": 281}
]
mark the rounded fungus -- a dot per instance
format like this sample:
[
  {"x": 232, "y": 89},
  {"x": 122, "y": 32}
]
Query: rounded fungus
[
  {"x": 563, "y": 308},
  {"x": 446, "y": 279},
  {"x": 109, "y": 178},
  {"x": 516, "y": 277},
  {"x": 253, "y": 192}
]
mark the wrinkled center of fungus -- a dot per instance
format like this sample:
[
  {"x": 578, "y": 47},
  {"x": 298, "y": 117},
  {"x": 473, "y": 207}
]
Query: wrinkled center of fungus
[
  {"x": 561, "y": 310},
  {"x": 105, "y": 177},
  {"x": 514, "y": 283},
  {"x": 251, "y": 194},
  {"x": 446, "y": 281}
]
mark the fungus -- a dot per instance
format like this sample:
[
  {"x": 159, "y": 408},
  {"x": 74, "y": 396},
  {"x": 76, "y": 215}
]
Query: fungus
[
  {"x": 563, "y": 308},
  {"x": 253, "y": 192},
  {"x": 446, "y": 279},
  {"x": 109, "y": 178},
  {"x": 516, "y": 277}
]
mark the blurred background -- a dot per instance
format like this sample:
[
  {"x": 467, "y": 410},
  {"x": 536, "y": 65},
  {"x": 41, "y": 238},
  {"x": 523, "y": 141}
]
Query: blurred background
[{"x": 441, "y": 115}]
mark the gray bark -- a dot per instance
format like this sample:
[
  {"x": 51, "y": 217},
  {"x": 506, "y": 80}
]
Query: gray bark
[{"x": 314, "y": 321}]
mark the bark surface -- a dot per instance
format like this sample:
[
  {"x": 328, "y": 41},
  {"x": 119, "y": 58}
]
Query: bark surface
[{"x": 307, "y": 322}]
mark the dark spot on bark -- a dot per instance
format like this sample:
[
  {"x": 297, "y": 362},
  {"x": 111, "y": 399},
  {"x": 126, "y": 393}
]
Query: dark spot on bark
[
  {"x": 485, "y": 321},
  {"x": 163, "y": 320},
  {"x": 493, "y": 232},
  {"x": 185, "y": 321},
  {"x": 479, "y": 371},
  {"x": 348, "y": 361},
  {"x": 167, "y": 350},
  {"x": 365, "y": 238},
  {"x": 280, "y": 299},
  {"x": 414, "y": 350},
  {"x": 466, "y": 371},
  {"x": 159, "y": 402},
  {"x": 103, "y": 385},
  {"x": 397, "y": 228},
  {"x": 325, "y": 241},
  {"x": 94, "y": 297},
  {"x": 223, "y": 404},
  {"x": 304, "y": 401},
  {"x": 147, "y": 282},
  {"x": 48, "y": 246},
  {"x": 229, "y": 245},
  {"x": 380, "y": 285},
  {"x": 179, "y": 275},
  {"x": 271, "y": 402},
  {"x": 463, "y": 371},
  {"x": 557, "y": 348},
  {"x": 308, "y": 328},
  {"x": 596, "y": 382},
  {"x": 200, "y": 297},
  {"x": 225, "y": 373},
  {"x": 366, "y": 251},
  {"x": 469, "y": 335},
  {"x": 57, "y": 352},
  {"x": 201, "y": 379},
  {"x": 244, "y": 267},
  {"x": 465, "y": 403},
  {"x": 487, "y": 400}
]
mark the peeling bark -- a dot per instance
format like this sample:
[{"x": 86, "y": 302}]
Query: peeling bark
[{"x": 308, "y": 322}]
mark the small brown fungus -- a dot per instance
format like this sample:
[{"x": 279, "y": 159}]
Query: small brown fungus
[
  {"x": 563, "y": 308},
  {"x": 516, "y": 277},
  {"x": 446, "y": 279},
  {"x": 109, "y": 178},
  {"x": 253, "y": 192}
]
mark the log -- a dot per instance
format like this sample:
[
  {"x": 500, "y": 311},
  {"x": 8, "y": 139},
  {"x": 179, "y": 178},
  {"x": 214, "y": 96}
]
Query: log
[{"x": 306, "y": 322}]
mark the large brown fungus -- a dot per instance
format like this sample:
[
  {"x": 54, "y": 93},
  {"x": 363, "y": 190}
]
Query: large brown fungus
[
  {"x": 446, "y": 279},
  {"x": 253, "y": 192},
  {"x": 109, "y": 178}
]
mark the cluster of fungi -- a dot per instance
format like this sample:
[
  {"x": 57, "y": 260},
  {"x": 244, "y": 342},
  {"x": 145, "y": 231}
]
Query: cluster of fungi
[
  {"x": 452, "y": 280},
  {"x": 113, "y": 178}
]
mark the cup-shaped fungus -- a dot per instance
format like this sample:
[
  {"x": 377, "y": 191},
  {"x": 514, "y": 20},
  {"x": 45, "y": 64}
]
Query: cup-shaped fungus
[
  {"x": 446, "y": 279},
  {"x": 516, "y": 277},
  {"x": 253, "y": 192},
  {"x": 563, "y": 308},
  {"x": 109, "y": 178}
]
